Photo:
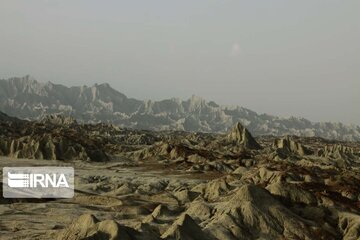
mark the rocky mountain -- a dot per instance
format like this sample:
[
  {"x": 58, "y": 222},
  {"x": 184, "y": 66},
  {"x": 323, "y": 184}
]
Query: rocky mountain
[{"x": 27, "y": 98}]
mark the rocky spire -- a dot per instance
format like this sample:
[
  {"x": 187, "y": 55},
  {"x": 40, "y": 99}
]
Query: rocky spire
[{"x": 242, "y": 136}]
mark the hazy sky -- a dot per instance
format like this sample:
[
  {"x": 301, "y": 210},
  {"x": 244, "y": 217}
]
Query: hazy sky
[{"x": 298, "y": 58}]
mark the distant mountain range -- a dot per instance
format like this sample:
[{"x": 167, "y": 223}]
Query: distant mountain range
[{"x": 27, "y": 98}]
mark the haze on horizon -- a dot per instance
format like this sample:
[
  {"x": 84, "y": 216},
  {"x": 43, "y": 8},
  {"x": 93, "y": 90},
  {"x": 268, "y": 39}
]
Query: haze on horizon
[{"x": 279, "y": 57}]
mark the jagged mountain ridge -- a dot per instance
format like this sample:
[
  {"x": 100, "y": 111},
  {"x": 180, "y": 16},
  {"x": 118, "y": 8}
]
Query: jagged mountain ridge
[{"x": 29, "y": 99}]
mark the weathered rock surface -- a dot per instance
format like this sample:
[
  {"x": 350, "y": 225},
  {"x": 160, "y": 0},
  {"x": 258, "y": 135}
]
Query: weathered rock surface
[
  {"x": 242, "y": 136},
  {"x": 185, "y": 228},
  {"x": 90, "y": 228},
  {"x": 50, "y": 140},
  {"x": 286, "y": 146},
  {"x": 349, "y": 224}
]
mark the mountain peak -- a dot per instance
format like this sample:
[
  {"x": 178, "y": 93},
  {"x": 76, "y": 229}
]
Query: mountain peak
[{"x": 242, "y": 136}]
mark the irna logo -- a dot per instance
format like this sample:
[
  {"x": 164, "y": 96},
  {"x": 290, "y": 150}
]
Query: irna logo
[
  {"x": 38, "y": 182},
  {"x": 25, "y": 180}
]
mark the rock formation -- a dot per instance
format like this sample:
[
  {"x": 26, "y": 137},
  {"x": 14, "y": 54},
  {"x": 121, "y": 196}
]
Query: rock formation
[
  {"x": 286, "y": 146},
  {"x": 242, "y": 136},
  {"x": 27, "y": 98},
  {"x": 52, "y": 139},
  {"x": 185, "y": 228},
  {"x": 89, "y": 227},
  {"x": 339, "y": 151}
]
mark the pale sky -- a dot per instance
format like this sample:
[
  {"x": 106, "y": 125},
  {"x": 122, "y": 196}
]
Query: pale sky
[{"x": 287, "y": 58}]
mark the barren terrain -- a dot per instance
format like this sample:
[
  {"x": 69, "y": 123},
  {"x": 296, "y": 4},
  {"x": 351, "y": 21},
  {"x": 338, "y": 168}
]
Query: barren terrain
[{"x": 133, "y": 184}]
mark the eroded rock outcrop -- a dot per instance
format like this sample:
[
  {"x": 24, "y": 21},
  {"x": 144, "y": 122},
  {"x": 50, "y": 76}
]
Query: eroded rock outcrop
[
  {"x": 51, "y": 148},
  {"x": 253, "y": 213},
  {"x": 338, "y": 151},
  {"x": 240, "y": 135},
  {"x": 185, "y": 228},
  {"x": 50, "y": 140},
  {"x": 350, "y": 226},
  {"x": 286, "y": 146},
  {"x": 89, "y": 227}
]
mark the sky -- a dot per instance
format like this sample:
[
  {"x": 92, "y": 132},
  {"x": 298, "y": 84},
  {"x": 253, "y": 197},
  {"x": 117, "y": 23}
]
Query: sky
[{"x": 286, "y": 58}]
